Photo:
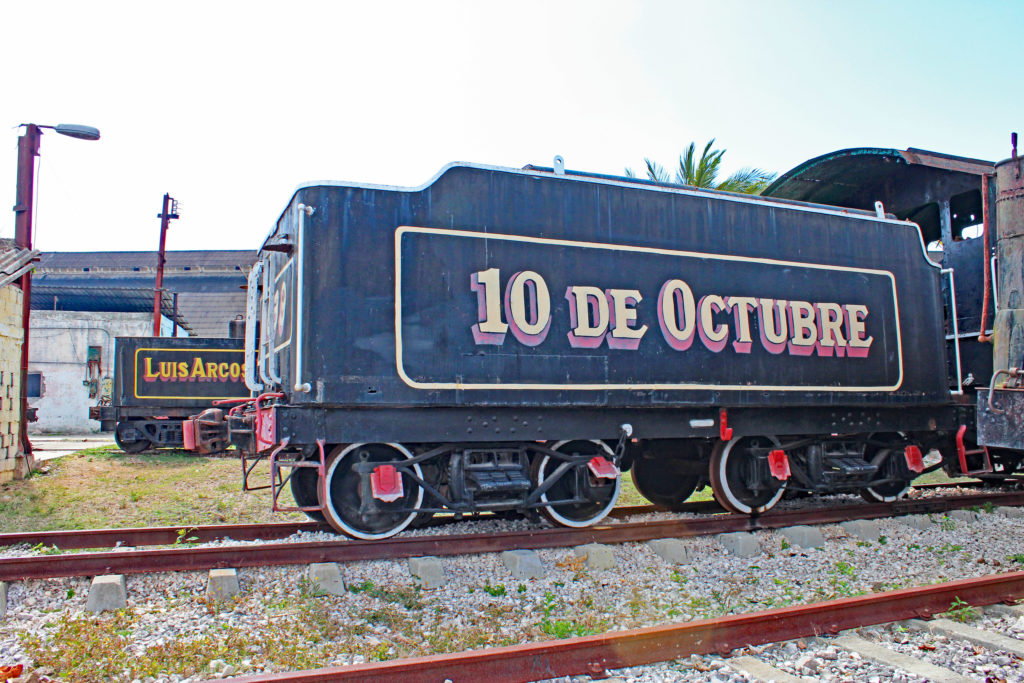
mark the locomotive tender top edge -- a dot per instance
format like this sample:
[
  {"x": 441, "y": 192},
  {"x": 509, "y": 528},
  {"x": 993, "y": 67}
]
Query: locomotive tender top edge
[{"x": 606, "y": 180}]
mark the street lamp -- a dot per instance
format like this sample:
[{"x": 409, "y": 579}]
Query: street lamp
[{"x": 28, "y": 150}]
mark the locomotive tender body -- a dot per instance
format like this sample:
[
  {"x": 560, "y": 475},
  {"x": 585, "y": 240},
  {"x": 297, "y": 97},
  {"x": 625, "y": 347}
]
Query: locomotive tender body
[
  {"x": 538, "y": 293},
  {"x": 505, "y": 339}
]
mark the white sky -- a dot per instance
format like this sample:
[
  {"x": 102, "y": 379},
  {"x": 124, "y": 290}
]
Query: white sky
[{"x": 229, "y": 106}]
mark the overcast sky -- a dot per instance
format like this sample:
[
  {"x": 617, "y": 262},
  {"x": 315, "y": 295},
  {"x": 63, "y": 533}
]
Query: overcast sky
[{"x": 229, "y": 106}]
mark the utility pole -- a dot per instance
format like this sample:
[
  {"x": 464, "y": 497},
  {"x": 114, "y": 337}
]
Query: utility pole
[
  {"x": 28, "y": 150},
  {"x": 170, "y": 211}
]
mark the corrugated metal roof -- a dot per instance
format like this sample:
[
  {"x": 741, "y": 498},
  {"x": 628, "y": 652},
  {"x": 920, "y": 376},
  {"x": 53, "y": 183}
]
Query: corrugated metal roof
[
  {"x": 103, "y": 299},
  {"x": 240, "y": 260}
]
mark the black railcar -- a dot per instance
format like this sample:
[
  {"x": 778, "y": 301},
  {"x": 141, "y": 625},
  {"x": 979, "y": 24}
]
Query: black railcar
[
  {"x": 512, "y": 339},
  {"x": 160, "y": 380}
]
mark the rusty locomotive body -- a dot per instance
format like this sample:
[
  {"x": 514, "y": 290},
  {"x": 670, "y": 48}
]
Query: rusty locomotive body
[{"x": 504, "y": 339}]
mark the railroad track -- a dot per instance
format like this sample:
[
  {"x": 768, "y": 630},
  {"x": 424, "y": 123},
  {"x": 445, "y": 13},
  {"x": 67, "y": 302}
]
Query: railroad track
[
  {"x": 80, "y": 539},
  {"x": 187, "y": 558},
  {"x": 597, "y": 655}
]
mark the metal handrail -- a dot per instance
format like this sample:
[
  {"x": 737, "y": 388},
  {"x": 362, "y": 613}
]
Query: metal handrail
[
  {"x": 304, "y": 210},
  {"x": 251, "y": 301},
  {"x": 956, "y": 333}
]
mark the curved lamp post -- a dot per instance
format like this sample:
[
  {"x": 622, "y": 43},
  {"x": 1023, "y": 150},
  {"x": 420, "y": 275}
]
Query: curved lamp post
[{"x": 28, "y": 150}]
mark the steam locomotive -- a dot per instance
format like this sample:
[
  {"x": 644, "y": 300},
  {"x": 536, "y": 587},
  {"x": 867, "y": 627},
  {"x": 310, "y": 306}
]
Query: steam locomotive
[{"x": 515, "y": 339}]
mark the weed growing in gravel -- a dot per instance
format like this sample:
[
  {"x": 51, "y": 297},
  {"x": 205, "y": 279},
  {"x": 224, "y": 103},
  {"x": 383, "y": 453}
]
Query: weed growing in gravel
[
  {"x": 89, "y": 649},
  {"x": 989, "y": 507},
  {"x": 947, "y": 524},
  {"x": 496, "y": 591},
  {"x": 785, "y": 544},
  {"x": 566, "y": 628},
  {"x": 1018, "y": 558},
  {"x": 961, "y": 611},
  {"x": 407, "y": 597}
]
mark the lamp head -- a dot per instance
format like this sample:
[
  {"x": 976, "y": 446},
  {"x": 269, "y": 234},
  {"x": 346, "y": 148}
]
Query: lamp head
[{"x": 73, "y": 130}]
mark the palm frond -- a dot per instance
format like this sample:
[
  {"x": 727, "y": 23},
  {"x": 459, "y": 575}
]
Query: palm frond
[
  {"x": 657, "y": 173},
  {"x": 748, "y": 181}
]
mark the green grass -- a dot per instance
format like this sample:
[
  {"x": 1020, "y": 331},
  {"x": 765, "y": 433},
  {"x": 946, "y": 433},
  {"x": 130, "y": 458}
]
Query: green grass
[{"x": 103, "y": 487}]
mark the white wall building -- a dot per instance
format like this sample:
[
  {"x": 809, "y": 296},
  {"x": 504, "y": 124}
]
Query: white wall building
[{"x": 71, "y": 355}]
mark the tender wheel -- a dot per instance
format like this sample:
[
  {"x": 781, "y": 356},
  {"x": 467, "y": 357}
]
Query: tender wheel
[
  {"x": 741, "y": 482},
  {"x": 132, "y": 447},
  {"x": 346, "y": 493},
  {"x": 888, "y": 468},
  {"x": 303, "y": 485},
  {"x": 665, "y": 479},
  {"x": 600, "y": 494}
]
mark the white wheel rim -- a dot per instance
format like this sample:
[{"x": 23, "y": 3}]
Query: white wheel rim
[
  {"x": 563, "y": 520},
  {"x": 332, "y": 513},
  {"x": 886, "y": 499},
  {"x": 727, "y": 492},
  {"x": 875, "y": 494}
]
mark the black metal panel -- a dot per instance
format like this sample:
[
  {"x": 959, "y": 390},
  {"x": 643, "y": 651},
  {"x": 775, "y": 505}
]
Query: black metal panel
[
  {"x": 177, "y": 372},
  {"x": 305, "y": 424},
  {"x": 735, "y": 244}
]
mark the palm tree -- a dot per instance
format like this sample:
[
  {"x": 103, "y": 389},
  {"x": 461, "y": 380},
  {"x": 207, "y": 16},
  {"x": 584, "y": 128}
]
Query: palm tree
[{"x": 703, "y": 172}]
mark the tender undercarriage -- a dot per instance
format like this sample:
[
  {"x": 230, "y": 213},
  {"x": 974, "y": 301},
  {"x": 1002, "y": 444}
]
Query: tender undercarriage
[{"x": 376, "y": 490}]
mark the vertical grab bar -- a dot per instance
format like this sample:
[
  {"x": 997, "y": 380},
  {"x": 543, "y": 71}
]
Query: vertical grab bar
[
  {"x": 264, "y": 344},
  {"x": 251, "y": 301},
  {"x": 956, "y": 333},
  {"x": 304, "y": 210},
  {"x": 995, "y": 285}
]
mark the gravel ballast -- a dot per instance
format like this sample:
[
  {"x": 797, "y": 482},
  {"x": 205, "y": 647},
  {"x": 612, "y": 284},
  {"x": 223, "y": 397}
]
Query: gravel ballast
[{"x": 385, "y": 612}]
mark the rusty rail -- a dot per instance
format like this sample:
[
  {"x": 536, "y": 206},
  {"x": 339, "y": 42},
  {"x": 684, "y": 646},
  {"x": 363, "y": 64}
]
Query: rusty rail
[
  {"x": 595, "y": 655},
  {"x": 78, "y": 539},
  {"x": 271, "y": 554}
]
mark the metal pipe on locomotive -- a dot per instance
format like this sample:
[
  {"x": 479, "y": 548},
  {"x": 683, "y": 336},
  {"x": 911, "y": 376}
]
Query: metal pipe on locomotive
[{"x": 503, "y": 339}]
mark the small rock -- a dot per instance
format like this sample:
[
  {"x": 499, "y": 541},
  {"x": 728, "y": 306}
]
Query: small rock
[
  {"x": 598, "y": 556},
  {"x": 325, "y": 577},
  {"x": 864, "y": 529},
  {"x": 740, "y": 544},
  {"x": 107, "y": 593},
  {"x": 963, "y": 515},
  {"x": 670, "y": 549},
  {"x": 429, "y": 571},
  {"x": 216, "y": 665},
  {"x": 803, "y": 536},
  {"x": 228, "y": 671},
  {"x": 920, "y": 522},
  {"x": 523, "y": 564},
  {"x": 222, "y": 584}
]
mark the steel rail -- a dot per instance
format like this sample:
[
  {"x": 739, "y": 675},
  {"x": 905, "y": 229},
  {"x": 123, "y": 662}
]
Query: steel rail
[
  {"x": 595, "y": 655},
  {"x": 276, "y": 554},
  {"x": 78, "y": 539}
]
